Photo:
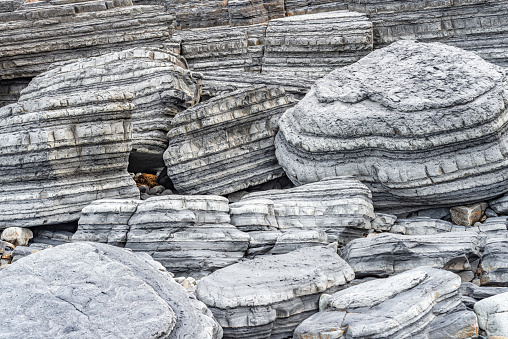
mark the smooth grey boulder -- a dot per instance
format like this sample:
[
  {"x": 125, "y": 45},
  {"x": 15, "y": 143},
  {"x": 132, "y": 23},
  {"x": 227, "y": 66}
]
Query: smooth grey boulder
[
  {"x": 492, "y": 315},
  {"x": 420, "y": 124},
  {"x": 387, "y": 254},
  {"x": 160, "y": 81},
  {"x": 226, "y": 144},
  {"x": 91, "y": 290},
  {"x": 341, "y": 207},
  {"x": 268, "y": 296},
  {"x": 500, "y": 205},
  {"x": 424, "y": 302},
  {"x": 189, "y": 235}
]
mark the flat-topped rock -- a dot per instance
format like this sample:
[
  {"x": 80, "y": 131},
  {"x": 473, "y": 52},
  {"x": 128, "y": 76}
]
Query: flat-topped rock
[
  {"x": 270, "y": 295},
  {"x": 88, "y": 290},
  {"x": 226, "y": 144},
  {"x": 390, "y": 120}
]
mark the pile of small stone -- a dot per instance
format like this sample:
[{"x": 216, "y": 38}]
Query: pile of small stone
[{"x": 150, "y": 185}]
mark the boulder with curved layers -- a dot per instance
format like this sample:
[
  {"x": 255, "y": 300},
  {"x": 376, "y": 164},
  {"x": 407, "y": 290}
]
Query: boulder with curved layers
[{"x": 423, "y": 125}]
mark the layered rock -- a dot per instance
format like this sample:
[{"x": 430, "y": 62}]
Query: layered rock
[
  {"x": 386, "y": 254},
  {"x": 189, "y": 235},
  {"x": 59, "y": 153},
  {"x": 87, "y": 290},
  {"x": 341, "y": 207},
  {"x": 424, "y": 226},
  {"x": 493, "y": 315},
  {"x": 276, "y": 242},
  {"x": 494, "y": 264},
  {"x": 34, "y": 38},
  {"x": 423, "y": 302},
  {"x": 392, "y": 121},
  {"x": 10, "y": 90},
  {"x": 159, "y": 80},
  {"x": 268, "y": 296},
  {"x": 226, "y": 143}
]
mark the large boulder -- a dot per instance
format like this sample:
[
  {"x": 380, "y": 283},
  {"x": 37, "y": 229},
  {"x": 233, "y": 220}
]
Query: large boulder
[
  {"x": 268, "y": 296},
  {"x": 98, "y": 291},
  {"x": 189, "y": 235},
  {"x": 493, "y": 315},
  {"x": 420, "y": 124},
  {"x": 424, "y": 302},
  {"x": 226, "y": 144},
  {"x": 160, "y": 81}
]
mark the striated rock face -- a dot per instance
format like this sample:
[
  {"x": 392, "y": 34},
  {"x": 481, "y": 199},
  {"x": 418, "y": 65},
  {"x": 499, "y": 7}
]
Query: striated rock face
[
  {"x": 88, "y": 290},
  {"x": 424, "y": 301},
  {"x": 33, "y": 38},
  {"x": 159, "y": 80},
  {"x": 386, "y": 254},
  {"x": 423, "y": 125},
  {"x": 268, "y": 296},
  {"x": 189, "y": 235},
  {"x": 494, "y": 264},
  {"x": 59, "y": 153},
  {"x": 424, "y": 226},
  {"x": 492, "y": 315},
  {"x": 227, "y": 143},
  {"x": 341, "y": 207}
]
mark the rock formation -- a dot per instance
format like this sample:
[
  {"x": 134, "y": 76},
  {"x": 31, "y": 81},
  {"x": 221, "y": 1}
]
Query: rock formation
[
  {"x": 59, "y": 153},
  {"x": 189, "y": 235},
  {"x": 226, "y": 143},
  {"x": 423, "y": 302},
  {"x": 421, "y": 124},
  {"x": 10, "y": 90},
  {"x": 268, "y": 296},
  {"x": 159, "y": 80},
  {"x": 493, "y": 315},
  {"x": 341, "y": 207},
  {"x": 89, "y": 290},
  {"x": 494, "y": 264}
]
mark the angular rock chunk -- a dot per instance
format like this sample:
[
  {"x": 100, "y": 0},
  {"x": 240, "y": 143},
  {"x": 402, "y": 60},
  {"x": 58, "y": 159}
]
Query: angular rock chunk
[
  {"x": 33, "y": 38},
  {"x": 59, "y": 153},
  {"x": 386, "y": 254},
  {"x": 189, "y": 235},
  {"x": 268, "y": 296},
  {"x": 500, "y": 205},
  {"x": 392, "y": 121},
  {"x": 341, "y": 207},
  {"x": 468, "y": 215},
  {"x": 226, "y": 143},
  {"x": 424, "y": 226},
  {"x": 494, "y": 264},
  {"x": 274, "y": 242},
  {"x": 493, "y": 315},
  {"x": 89, "y": 290},
  {"x": 424, "y": 302},
  {"x": 161, "y": 84}
]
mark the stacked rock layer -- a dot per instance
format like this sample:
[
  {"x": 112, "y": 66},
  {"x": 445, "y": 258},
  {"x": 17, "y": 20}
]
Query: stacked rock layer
[{"x": 423, "y": 125}]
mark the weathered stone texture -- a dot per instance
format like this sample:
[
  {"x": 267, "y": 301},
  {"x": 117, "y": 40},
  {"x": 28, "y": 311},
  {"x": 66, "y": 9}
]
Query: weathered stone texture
[
  {"x": 492, "y": 315},
  {"x": 10, "y": 90}
]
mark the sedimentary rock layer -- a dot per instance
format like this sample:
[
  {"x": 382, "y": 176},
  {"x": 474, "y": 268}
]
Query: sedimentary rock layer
[
  {"x": 494, "y": 264},
  {"x": 269, "y": 295},
  {"x": 59, "y": 153},
  {"x": 341, "y": 207},
  {"x": 10, "y": 90},
  {"x": 392, "y": 121},
  {"x": 189, "y": 235},
  {"x": 423, "y": 302},
  {"x": 226, "y": 143},
  {"x": 159, "y": 80},
  {"x": 33, "y": 38},
  {"x": 88, "y": 290}
]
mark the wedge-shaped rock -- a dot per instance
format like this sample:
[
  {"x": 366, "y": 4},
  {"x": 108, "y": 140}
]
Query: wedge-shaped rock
[
  {"x": 189, "y": 235},
  {"x": 341, "y": 207},
  {"x": 313, "y": 45},
  {"x": 268, "y": 296},
  {"x": 386, "y": 254},
  {"x": 59, "y": 153},
  {"x": 88, "y": 291},
  {"x": 226, "y": 143},
  {"x": 494, "y": 264},
  {"x": 35, "y": 37},
  {"x": 159, "y": 80},
  {"x": 423, "y": 125},
  {"x": 424, "y": 302}
]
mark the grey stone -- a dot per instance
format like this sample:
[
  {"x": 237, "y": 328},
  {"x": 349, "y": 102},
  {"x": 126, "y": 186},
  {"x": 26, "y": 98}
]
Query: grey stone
[
  {"x": 156, "y": 190},
  {"x": 500, "y": 205},
  {"x": 143, "y": 189},
  {"x": 89, "y": 290},
  {"x": 275, "y": 242},
  {"x": 492, "y": 315},
  {"x": 383, "y": 222},
  {"x": 17, "y": 236},
  {"x": 390, "y": 120},
  {"x": 480, "y": 292},
  {"x": 10, "y": 90},
  {"x": 268, "y": 296},
  {"x": 427, "y": 226},
  {"x": 489, "y": 213},
  {"x": 494, "y": 264}
]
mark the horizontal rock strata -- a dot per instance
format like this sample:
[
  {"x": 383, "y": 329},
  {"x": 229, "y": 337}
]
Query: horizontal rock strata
[
  {"x": 59, "y": 153},
  {"x": 34, "y": 38},
  {"x": 189, "y": 235},
  {"x": 88, "y": 290},
  {"x": 391, "y": 120},
  {"x": 494, "y": 264},
  {"x": 341, "y": 207},
  {"x": 268, "y": 296},
  {"x": 423, "y": 302},
  {"x": 386, "y": 254},
  {"x": 226, "y": 143},
  {"x": 275, "y": 242},
  {"x": 159, "y": 80}
]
